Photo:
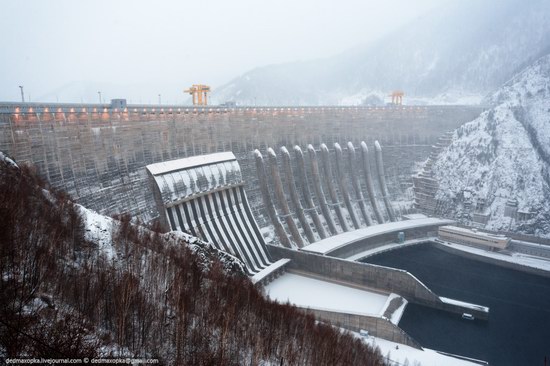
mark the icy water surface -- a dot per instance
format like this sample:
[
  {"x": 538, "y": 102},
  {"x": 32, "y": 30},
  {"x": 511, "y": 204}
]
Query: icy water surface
[{"x": 518, "y": 330}]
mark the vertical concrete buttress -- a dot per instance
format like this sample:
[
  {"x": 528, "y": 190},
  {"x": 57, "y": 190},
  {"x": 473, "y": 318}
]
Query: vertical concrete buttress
[
  {"x": 310, "y": 206},
  {"x": 368, "y": 178},
  {"x": 382, "y": 180},
  {"x": 352, "y": 159},
  {"x": 325, "y": 157},
  {"x": 279, "y": 230},
  {"x": 341, "y": 175},
  {"x": 319, "y": 190},
  {"x": 279, "y": 193},
  {"x": 294, "y": 195}
]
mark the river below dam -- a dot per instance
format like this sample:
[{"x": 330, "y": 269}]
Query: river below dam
[{"x": 518, "y": 330}]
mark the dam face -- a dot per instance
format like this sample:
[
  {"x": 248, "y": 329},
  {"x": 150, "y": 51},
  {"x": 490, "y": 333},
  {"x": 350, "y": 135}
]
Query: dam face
[{"x": 99, "y": 154}]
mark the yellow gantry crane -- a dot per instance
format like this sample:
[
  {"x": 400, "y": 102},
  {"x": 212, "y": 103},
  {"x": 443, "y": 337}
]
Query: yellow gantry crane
[
  {"x": 199, "y": 93},
  {"x": 397, "y": 97}
]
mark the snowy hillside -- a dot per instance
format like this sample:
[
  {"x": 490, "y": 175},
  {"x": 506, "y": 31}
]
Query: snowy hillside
[
  {"x": 502, "y": 158},
  {"x": 457, "y": 54},
  {"x": 75, "y": 284},
  {"x": 100, "y": 229}
]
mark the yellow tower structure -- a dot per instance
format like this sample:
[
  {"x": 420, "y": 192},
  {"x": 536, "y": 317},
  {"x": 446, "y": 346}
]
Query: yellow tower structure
[
  {"x": 199, "y": 93},
  {"x": 397, "y": 97}
]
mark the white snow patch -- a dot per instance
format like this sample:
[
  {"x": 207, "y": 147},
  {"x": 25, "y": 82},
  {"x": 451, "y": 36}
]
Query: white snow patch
[
  {"x": 464, "y": 304},
  {"x": 312, "y": 293},
  {"x": 426, "y": 357},
  {"x": 398, "y": 313},
  {"x": 185, "y": 163},
  {"x": 98, "y": 229},
  {"x": 7, "y": 160}
]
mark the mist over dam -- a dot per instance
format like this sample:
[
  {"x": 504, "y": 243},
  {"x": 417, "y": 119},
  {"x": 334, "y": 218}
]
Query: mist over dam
[{"x": 98, "y": 154}]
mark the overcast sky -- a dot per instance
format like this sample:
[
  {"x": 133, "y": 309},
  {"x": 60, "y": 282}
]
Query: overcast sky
[{"x": 68, "y": 50}]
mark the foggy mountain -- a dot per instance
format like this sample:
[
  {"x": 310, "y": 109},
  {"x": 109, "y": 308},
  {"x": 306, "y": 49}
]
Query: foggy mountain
[
  {"x": 454, "y": 55},
  {"x": 503, "y": 157}
]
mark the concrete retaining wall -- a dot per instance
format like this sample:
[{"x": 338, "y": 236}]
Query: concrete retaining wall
[
  {"x": 514, "y": 266},
  {"x": 377, "y": 277},
  {"x": 368, "y": 275},
  {"x": 377, "y": 327},
  {"x": 379, "y": 240}
]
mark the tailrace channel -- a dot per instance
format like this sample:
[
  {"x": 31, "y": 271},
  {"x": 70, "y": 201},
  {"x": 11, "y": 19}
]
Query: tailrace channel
[{"x": 518, "y": 330}]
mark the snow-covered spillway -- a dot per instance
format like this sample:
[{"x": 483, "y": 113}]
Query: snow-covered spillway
[
  {"x": 204, "y": 196},
  {"x": 308, "y": 292}
]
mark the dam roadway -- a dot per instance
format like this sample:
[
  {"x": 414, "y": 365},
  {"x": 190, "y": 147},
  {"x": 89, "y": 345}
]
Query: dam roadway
[{"x": 98, "y": 153}]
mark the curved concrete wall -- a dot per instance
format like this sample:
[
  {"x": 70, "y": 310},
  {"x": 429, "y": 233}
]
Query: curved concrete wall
[
  {"x": 99, "y": 155},
  {"x": 204, "y": 196},
  {"x": 382, "y": 179}
]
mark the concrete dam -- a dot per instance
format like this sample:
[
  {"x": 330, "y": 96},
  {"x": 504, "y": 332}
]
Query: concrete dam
[
  {"x": 98, "y": 153},
  {"x": 295, "y": 193}
]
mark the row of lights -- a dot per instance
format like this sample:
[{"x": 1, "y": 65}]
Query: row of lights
[{"x": 135, "y": 110}]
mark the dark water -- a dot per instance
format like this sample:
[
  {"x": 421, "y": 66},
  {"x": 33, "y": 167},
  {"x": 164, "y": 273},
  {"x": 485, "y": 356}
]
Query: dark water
[{"x": 518, "y": 330}]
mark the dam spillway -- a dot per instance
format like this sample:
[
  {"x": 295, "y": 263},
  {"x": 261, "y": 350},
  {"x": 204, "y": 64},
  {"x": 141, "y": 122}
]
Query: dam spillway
[
  {"x": 340, "y": 214},
  {"x": 98, "y": 154}
]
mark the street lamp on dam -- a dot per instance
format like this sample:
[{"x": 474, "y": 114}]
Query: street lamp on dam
[{"x": 22, "y": 94}]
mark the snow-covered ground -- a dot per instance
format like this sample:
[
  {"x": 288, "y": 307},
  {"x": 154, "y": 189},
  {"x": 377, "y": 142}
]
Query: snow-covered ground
[
  {"x": 7, "y": 160},
  {"x": 396, "y": 315},
  {"x": 399, "y": 353},
  {"x": 312, "y": 293},
  {"x": 502, "y": 157},
  {"x": 98, "y": 229}
]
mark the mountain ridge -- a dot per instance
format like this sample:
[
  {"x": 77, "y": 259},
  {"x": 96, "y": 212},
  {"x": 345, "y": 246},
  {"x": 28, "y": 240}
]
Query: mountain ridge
[
  {"x": 460, "y": 53},
  {"x": 501, "y": 161}
]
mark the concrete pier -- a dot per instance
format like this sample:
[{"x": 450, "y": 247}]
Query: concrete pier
[
  {"x": 341, "y": 177},
  {"x": 278, "y": 186},
  {"x": 382, "y": 180},
  {"x": 279, "y": 230},
  {"x": 368, "y": 179},
  {"x": 319, "y": 190},
  {"x": 356, "y": 186},
  {"x": 287, "y": 166},
  {"x": 325, "y": 158},
  {"x": 306, "y": 193}
]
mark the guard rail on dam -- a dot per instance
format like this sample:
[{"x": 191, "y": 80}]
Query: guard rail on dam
[{"x": 98, "y": 154}]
